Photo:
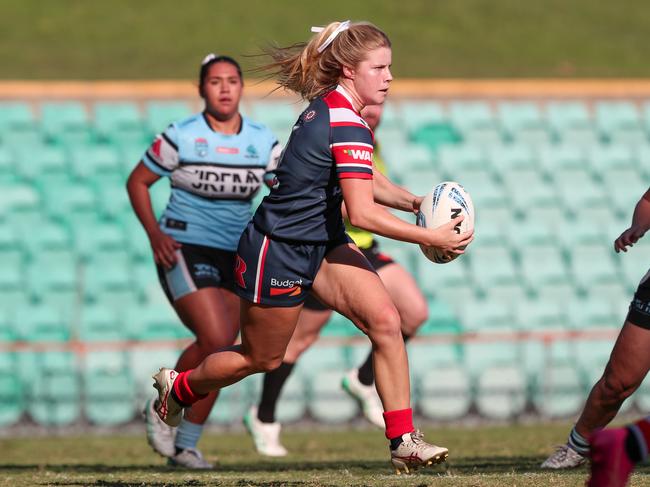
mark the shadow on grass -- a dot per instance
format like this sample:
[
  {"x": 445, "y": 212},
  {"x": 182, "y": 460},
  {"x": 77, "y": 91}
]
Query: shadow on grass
[{"x": 462, "y": 466}]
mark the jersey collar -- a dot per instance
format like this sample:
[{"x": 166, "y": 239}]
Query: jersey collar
[
  {"x": 239, "y": 130},
  {"x": 346, "y": 95}
]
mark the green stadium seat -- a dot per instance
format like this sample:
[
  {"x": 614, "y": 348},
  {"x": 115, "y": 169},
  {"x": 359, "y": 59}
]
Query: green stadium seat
[
  {"x": 541, "y": 315},
  {"x": 15, "y": 114},
  {"x": 612, "y": 156},
  {"x": 409, "y": 156},
  {"x": 471, "y": 115},
  {"x": 544, "y": 271},
  {"x": 114, "y": 201},
  {"x": 433, "y": 278},
  {"x": 559, "y": 392},
  {"x": 55, "y": 399},
  {"x": 633, "y": 266},
  {"x": 418, "y": 113},
  {"x": 100, "y": 323},
  {"x": 114, "y": 117},
  {"x": 159, "y": 114},
  {"x": 504, "y": 158},
  {"x": 18, "y": 199},
  {"x": 59, "y": 116},
  {"x": 109, "y": 391},
  {"x": 54, "y": 282},
  {"x": 523, "y": 122},
  {"x": 19, "y": 138},
  {"x": 279, "y": 116},
  {"x": 136, "y": 238},
  {"x": 323, "y": 368},
  {"x": 8, "y": 173},
  {"x": 50, "y": 236},
  {"x": 96, "y": 237},
  {"x": 527, "y": 233},
  {"x": 434, "y": 136},
  {"x": 493, "y": 265},
  {"x": 485, "y": 315},
  {"x": 459, "y": 158},
  {"x": 403, "y": 253},
  {"x": 527, "y": 188},
  {"x": 486, "y": 193},
  {"x": 94, "y": 161},
  {"x": 501, "y": 392},
  {"x": 442, "y": 319},
  {"x": 108, "y": 279},
  {"x": 616, "y": 115},
  {"x": 622, "y": 188},
  {"x": 13, "y": 299},
  {"x": 11, "y": 271},
  {"x": 492, "y": 347},
  {"x": 145, "y": 281},
  {"x": 12, "y": 404},
  {"x": 391, "y": 116},
  {"x": 559, "y": 157},
  {"x": 420, "y": 181},
  {"x": 153, "y": 323},
  {"x": 7, "y": 335},
  {"x": 592, "y": 265},
  {"x": 37, "y": 161},
  {"x": 443, "y": 392},
  {"x": 70, "y": 202},
  {"x": 565, "y": 115},
  {"x": 41, "y": 323}
]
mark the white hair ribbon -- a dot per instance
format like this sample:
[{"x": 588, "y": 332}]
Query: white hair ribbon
[
  {"x": 341, "y": 27},
  {"x": 208, "y": 58}
]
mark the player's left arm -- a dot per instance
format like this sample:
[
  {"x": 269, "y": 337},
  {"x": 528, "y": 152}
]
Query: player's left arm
[
  {"x": 640, "y": 225},
  {"x": 389, "y": 194}
]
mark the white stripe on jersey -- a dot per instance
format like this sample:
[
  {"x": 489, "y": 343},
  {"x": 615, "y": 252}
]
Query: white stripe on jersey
[
  {"x": 259, "y": 270},
  {"x": 361, "y": 144},
  {"x": 338, "y": 115},
  {"x": 354, "y": 164}
]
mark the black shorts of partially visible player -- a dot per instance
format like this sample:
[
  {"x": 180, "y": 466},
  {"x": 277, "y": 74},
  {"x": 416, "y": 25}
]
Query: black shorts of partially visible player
[
  {"x": 639, "y": 313},
  {"x": 278, "y": 272},
  {"x": 377, "y": 260},
  {"x": 197, "y": 266}
]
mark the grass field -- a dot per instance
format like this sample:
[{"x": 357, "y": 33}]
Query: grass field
[
  {"x": 164, "y": 39},
  {"x": 481, "y": 456}
]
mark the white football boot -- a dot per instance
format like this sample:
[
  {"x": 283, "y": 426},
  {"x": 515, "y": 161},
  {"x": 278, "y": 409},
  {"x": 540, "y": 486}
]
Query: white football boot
[
  {"x": 564, "y": 457},
  {"x": 366, "y": 396},
  {"x": 414, "y": 452},
  {"x": 169, "y": 411},
  {"x": 190, "y": 458},
  {"x": 266, "y": 436},
  {"x": 159, "y": 435}
]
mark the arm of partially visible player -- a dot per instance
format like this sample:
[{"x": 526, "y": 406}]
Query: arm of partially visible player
[
  {"x": 640, "y": 225},
  {"x": 364, "y": 213},
  {"x": 389, "y": 194},
  {"x": 160, "y": 159}
]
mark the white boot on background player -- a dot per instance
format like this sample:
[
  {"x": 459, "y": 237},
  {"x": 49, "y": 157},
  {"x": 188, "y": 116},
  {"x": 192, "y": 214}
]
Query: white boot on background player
[
  {"x": 266, "y": 436},
  {"x": 366, "y": 396}
]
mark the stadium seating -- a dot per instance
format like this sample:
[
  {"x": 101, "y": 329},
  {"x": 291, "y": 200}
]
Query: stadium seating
[{"x": 553, "y": 182}]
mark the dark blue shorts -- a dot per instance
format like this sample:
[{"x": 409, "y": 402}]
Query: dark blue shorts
[
  {"x": 278, "y": 272},
  {"x": 639, "y": 313}
]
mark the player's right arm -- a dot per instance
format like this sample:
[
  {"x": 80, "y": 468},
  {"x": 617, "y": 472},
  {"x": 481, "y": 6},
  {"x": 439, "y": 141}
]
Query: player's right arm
[
  {"x": 364, "y": 213},
  {"x": 640, "y": 225},
  {"x": 159, "y": 160}
]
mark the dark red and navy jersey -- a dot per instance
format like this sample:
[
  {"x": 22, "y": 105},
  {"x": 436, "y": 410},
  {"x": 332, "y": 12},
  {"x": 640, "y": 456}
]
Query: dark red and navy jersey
[{"x": 329, "y": 142}]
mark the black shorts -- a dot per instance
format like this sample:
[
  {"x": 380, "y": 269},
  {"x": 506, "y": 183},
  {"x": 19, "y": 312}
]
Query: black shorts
[
  {"x": 377, "y": 260},
  {"x": 639, "y": 313},
  {"x": 197, "y": 266},
  {"x": 278, "y": 272}
]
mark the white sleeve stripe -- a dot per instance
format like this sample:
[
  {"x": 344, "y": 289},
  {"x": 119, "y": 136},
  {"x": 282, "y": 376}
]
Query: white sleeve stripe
[
  {"x": 345, "y": 115},
  {"x": 361, "y": 144}
]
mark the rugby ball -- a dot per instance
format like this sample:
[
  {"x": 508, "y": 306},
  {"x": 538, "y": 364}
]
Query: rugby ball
[{"x": 443, "y": 203}]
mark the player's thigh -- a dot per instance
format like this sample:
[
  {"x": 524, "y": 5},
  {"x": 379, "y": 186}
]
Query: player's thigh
[
  {"x": 266, "y": 331},
  {"x": 347, "y": 283},
  {"x": 310, "y": 324},
  {"x": 404, "y": 291},
  {"x": 211, "y": 313}
]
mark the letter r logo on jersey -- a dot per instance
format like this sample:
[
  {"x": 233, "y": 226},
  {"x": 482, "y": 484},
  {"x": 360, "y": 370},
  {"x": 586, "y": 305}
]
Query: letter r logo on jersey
[{"x": 240, "y": 268}]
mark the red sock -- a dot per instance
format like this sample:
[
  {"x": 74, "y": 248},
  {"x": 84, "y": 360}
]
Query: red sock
[
  {"x": 398, "y": 422},
  {"x": 185, "y": 395}
]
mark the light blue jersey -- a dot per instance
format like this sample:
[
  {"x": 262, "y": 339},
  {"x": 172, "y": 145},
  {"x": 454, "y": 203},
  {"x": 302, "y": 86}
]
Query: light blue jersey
[{"x": 213, "y": 178}]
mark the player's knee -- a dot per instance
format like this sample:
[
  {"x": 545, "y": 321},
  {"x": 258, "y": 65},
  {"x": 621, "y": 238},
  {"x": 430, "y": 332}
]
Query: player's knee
[
  {"x": 616, "y": 388},
  {"x": 266, "y": 364},
  {"x": 414, "y": 317},
  {"x": 385, "y": 325}
]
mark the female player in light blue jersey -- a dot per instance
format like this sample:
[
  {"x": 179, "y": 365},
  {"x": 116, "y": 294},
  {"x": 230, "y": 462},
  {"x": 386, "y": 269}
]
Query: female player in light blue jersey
[{"x": 216, "y": 161}]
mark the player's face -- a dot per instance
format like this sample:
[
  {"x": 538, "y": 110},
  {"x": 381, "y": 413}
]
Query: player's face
[
  {"x": 372, "y": 76},
  {"x": 222, "y": 90},
  {"x": 372, "y": 115}
]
